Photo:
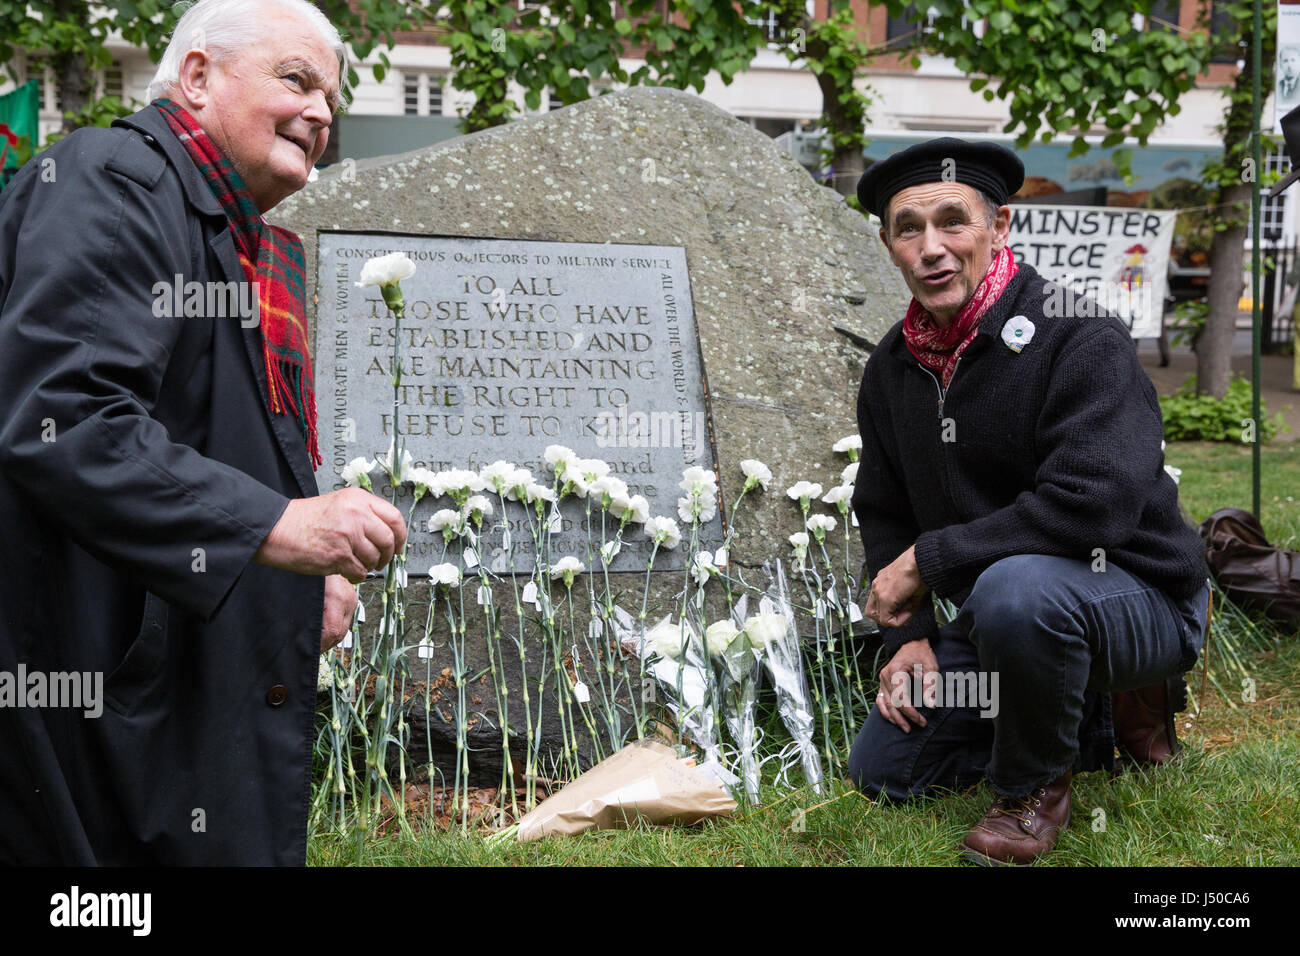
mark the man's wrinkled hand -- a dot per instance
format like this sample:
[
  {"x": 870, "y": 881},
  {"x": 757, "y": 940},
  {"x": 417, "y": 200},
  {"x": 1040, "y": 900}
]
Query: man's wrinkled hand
[
  {"x": 347, "y": 532},
  {"x": 340, "y": 603},
  {"x": 895, "y": 697},
  {"x": 896, "y": 592}
]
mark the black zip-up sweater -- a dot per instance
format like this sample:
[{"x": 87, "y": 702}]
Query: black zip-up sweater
[{"x": 1052, "y": 450}]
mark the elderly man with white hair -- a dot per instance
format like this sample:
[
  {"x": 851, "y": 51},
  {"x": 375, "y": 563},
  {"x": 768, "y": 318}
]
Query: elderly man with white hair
[{"x": 171, "y": 573}]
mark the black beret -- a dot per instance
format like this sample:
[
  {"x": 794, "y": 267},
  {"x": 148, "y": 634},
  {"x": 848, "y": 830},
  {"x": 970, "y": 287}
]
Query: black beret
[{"x": 989, "y": 167}]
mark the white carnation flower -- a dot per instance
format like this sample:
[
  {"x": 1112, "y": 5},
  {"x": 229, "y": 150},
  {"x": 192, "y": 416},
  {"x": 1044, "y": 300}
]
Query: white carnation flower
[
  {"x": 821, "y": 523},
  {"x": 839, "y": 496},
  {"x": 701, "y": 487},
  {"x": 799, "y": 540},
  {"x": 756, "y": 473},
  {"x": 560, "y": 457},
  {"x": 848, "y": 444},
  {"x": 497, "y": 475},
  {"x": 582, "y": 473},
  {"x": 475, "y": 507},
  {"x": 702, "y": 566},
  {"x": 610, "y": 486},
  {"x": 536, "y": 492},
  {"x": 385, "y": 270},
  {"x": 719, "y": 635},
  {"x": 763, "y": 629},
  {"x": 703, "y": 508},
  {"x": 423, "y": 476},
  {"x": 804, "y": 491},
  {"x": 592, "y": 469},
  {"x": 517, "y": 482},
  {"x": 445, "y": 574},
  {"x": 356, "y": 473},
  {"x": 668, "y": 640},
  {"x": 850, "y": 473},
  {"x": 625, "y": 508},
  {"x": 445, "y": 521},
  {"x": 663, "y": 530},
  {"x": 395, "y": 470},
  {"x": 460, "y": 483},
  {"x": 566, "y": 568},
  {"x": 697, "y": 480},
  {"x": 638, "y": 510}
]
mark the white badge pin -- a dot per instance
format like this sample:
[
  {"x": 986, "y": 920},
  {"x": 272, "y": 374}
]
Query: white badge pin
[{"x": 1017, "y": 332}]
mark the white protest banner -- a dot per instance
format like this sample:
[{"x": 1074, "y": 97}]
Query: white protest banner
[{"x": 1105, "y": 257}]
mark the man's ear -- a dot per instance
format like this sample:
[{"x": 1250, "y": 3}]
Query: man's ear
[
  {"x": 1001, "y": 228},
  {"x": 193, "y": 78},
  {"x": 885, "y": 240}
]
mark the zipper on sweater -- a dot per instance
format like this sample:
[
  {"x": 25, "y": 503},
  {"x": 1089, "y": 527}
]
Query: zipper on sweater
[
  {"x": 946, "y": 480},
  {"x": 943, "y": 392}
]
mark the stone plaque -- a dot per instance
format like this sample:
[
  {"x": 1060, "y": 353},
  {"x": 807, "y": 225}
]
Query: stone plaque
[{"x": 509, "y": 346}]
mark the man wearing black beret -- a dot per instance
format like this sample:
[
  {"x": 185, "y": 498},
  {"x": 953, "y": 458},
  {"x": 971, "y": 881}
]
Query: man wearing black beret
[{"x": 1012, "y": 463}]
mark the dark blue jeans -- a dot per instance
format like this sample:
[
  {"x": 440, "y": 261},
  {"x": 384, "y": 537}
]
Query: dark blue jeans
[{"x": 1035, "y": 635}]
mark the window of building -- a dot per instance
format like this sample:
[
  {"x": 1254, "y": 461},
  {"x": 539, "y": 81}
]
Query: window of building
[
  {"x": 422, "y": 93},
  {"x": 775, "y": 35},
  {"x": 1272, "y": 212},
  {"x": 1221, "y": 25},
  {"x": 411, "y": 94},
  {"x": 910, "y": 23},
  {"x": 903, "y": 25},
  {"x": 111, "y": 82},
  {"x": 547, "y": 18},
  {"x": 1164, "y": 15}
]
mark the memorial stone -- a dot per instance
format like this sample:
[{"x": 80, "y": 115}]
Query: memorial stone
[
  {"x": 780, "y": 290},
  {"x": 509, "y": 346}
]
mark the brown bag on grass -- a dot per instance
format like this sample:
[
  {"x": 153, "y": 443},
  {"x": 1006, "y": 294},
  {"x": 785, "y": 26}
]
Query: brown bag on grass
[{"x": 1249, "y": 569}]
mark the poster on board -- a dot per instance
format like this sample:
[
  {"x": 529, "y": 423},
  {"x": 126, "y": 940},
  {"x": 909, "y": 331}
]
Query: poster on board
[
  {"x": 1104, "y": 257},
  {"x": 1286, "y": 90}
]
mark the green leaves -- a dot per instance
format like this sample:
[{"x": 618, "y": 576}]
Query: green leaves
[{"x": 1192, "y": 417}]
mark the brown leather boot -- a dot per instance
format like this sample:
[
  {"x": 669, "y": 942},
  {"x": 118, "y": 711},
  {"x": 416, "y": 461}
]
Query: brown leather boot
[
  {"x": 1144, "y": 720},
  {"x": 1017, "y": 830}
]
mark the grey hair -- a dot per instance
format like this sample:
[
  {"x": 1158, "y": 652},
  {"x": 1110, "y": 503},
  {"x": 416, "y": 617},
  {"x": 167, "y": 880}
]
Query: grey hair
[
  {"x": 991, "y": 207},
  {"x": 225, "y": 27}
]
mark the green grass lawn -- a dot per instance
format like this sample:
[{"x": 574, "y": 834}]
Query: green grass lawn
[
  {"x": 1231, "y": 799},
  {"x": 1218, "y": 475}
]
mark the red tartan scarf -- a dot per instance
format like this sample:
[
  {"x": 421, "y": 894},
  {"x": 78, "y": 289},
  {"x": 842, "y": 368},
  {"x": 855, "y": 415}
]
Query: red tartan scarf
[
  {"x": 273, "y": 263},
  {"x": 939, "y": 348}
]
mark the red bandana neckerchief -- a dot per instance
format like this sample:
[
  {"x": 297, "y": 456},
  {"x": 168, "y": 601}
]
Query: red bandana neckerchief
[
  {"x": 939, "y": 348},
  {"x": 273, "y": 263}
]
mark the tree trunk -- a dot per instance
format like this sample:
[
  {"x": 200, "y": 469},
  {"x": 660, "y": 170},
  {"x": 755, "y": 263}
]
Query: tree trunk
[
  {"x": 74, "y": 80},
  {"x": 1227, "y": 255},
  {"x": 71, "y": 71},
  {"x": 846, "y": 123},
  {"x": 1227, "y": 252},
  {"x": 847, "y": 164}
]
